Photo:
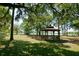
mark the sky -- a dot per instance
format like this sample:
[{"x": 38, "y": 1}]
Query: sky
[{"x": 16, "y": 22}]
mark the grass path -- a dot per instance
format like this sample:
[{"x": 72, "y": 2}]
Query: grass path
[{"x": 27, "y": 38}]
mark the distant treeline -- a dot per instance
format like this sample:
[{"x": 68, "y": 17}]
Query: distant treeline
[{"x": 72, "y": 33}]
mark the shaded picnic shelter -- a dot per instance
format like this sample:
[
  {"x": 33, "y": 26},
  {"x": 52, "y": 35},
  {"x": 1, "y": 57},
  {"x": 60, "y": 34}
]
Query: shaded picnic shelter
[{"x": 52, "y": 30}]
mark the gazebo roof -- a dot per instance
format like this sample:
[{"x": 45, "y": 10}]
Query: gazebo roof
[
  {"x": 50, "y": 26},
  {"x": 50, "y": 29}
]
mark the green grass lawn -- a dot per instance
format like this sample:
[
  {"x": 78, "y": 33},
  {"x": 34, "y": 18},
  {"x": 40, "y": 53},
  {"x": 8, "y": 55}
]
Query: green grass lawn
[{"x": 43, "y": 48}]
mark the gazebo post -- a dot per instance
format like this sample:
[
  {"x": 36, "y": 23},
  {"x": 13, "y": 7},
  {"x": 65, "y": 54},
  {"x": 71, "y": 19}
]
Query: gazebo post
[
  {"x": 59, "y": 34},
  {"x": 42, "y": 32},
  {"x": 47, "y": 35},
  {"x": 53, "y": 35}
]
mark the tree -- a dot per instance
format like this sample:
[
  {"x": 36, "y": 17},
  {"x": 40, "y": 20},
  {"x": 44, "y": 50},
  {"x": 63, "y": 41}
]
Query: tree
[
  {"x": 4, "y": 21},
  {"x": 38, "y": 18},
  {"x": 13, "y": 6}
]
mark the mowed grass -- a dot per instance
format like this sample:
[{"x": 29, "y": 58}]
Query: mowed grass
[
  {"x": 26, "y": 46},
  {"x": 72, "y": 42}
]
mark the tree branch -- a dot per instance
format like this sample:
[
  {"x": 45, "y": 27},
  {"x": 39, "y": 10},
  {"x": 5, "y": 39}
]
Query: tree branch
[
  {"x": 13, "y": 5},
  {"x": 5, "y": 13}
]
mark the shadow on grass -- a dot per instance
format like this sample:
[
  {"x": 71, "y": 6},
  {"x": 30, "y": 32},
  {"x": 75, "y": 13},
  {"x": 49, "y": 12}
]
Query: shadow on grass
[
  {"x": 25, "y": 48},
  {"x": 74, "y": 41}
]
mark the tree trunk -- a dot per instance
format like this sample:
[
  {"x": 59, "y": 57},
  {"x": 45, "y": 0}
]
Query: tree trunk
[
  {"x": 62, "y": 30},
  {"x": 39, "y": 33},
  {"x": 78, "y": 32},
  {"x": 12, "y": 23},
  {"x": 65, "y": 30},
  {"x": 59, "y": 28}
]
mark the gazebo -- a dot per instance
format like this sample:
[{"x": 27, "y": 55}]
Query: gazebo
[{"x": 52, "y": 30}]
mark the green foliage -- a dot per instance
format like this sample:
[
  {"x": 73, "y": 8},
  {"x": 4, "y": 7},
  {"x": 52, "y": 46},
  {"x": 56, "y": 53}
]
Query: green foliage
[
  {"x": 75, "y": 24},
  {"x": 4, "y": 22},
  {"x": 38, "y": 18},
  {"x": 40, "y": 15},
  {"x": 27, "y": 27},
  {"x": 67, "y": 14},
  {"x": 2, "y": 36}
]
